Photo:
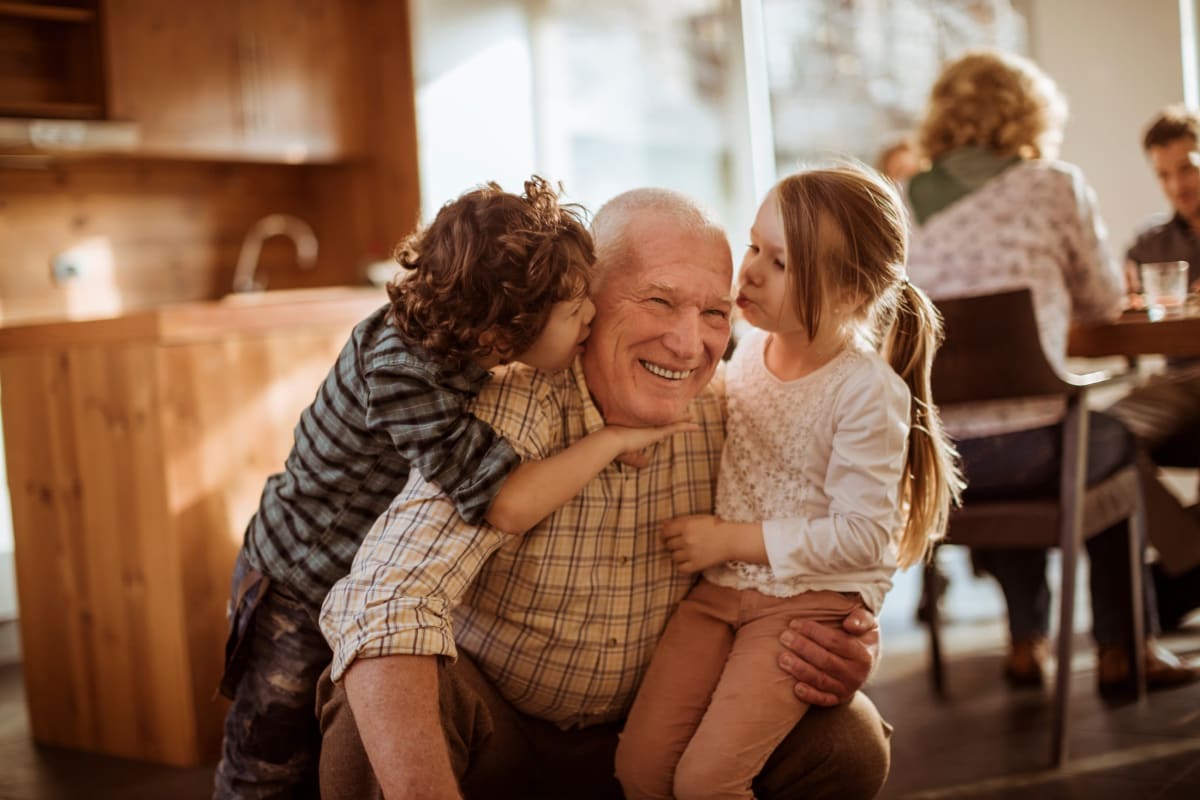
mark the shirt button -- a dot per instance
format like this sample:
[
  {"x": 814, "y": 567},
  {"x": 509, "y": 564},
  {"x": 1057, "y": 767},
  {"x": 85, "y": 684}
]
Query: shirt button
[
  {"x": 623, "y": 560},
  {"x": 613, "y": 642}
]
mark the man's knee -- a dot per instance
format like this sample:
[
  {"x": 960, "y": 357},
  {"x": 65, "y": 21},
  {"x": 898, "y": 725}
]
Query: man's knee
[{"x": 842, "y": 752}]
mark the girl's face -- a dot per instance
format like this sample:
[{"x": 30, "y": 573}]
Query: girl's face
[{"x": 764, "y": 292}]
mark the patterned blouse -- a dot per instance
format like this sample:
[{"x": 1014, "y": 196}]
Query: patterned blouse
[
  {"x": 1034, "y": 225},
  {"x": 819, "y": 459}
]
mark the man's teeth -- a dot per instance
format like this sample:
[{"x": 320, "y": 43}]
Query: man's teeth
[{"x": 669, "y": 374}]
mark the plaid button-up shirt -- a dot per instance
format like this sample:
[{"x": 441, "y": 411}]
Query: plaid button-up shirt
[
  {"x": 384, "y": 408},
  {"x": 563, "y": 620}
]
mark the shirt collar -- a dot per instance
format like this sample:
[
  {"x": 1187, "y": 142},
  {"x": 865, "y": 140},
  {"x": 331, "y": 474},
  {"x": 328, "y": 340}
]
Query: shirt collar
[{"x": 593, "y": 420}]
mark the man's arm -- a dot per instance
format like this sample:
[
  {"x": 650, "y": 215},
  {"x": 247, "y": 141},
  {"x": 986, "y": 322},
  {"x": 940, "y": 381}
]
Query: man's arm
[
  {"x": 410, "y": 759},
  {"x": 830, "y": 665}
]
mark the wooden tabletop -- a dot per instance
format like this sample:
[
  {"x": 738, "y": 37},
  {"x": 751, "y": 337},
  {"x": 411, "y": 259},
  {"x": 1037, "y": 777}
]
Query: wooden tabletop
[{"x": 1134, "y": 335}]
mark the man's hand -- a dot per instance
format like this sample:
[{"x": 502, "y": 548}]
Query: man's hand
[{"x": 830, "y": 665}]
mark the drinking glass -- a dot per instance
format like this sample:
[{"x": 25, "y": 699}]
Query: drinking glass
[{"x": 1164, "y": 287}]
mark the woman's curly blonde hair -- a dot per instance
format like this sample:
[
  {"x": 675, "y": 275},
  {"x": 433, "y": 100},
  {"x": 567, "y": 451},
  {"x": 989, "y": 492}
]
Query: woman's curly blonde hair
[
  {"x": 996, "y": 101},
  {"x": 482, "y": 278}
]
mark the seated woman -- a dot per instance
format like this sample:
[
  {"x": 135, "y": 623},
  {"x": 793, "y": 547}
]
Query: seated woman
[{"x": 994, "y": 212}]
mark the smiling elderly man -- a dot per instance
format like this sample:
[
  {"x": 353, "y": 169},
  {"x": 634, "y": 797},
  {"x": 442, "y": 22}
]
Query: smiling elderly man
[{"x": 483, "y": 665}]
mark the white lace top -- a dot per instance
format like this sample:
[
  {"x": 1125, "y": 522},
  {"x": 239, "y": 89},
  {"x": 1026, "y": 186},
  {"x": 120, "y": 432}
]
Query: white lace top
[
  {"x": 818, "y": 460},
  {"x": 1036, "y": 224}
]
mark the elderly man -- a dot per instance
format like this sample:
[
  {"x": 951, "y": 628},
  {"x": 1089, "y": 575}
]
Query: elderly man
[{"x": 481, "y": 665}]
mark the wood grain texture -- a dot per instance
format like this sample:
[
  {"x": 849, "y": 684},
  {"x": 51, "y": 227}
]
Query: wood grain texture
[{"x": 134, "y": 467}]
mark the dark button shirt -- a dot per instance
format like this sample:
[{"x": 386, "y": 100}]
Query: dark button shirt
[{"x": 1167, "y": 239}]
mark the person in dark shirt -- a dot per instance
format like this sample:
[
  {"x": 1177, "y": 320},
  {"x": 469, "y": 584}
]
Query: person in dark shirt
[{"x": 1165, "y": 413}]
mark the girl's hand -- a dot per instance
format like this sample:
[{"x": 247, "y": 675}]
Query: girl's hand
[
  {"x": 631, "y": 442},
  {"x": 698, "y": 542}
]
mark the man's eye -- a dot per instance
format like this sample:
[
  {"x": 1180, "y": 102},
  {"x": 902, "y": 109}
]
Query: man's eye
[
  {"x": 719, "y": 313},
  {"x": 660, "y": 300},
  {"x": 753, "y": 248}
]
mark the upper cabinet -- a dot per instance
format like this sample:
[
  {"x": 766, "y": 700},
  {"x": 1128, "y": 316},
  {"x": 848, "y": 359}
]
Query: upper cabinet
[
  {"x": 264, "y": 80},
  {"x": 51, "y": 63},
  {"x": 254, "y": 80},
  {"x": 270, "y": 80}
]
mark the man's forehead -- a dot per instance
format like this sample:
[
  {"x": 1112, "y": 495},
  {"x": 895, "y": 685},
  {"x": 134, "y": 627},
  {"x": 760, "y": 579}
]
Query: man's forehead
[
  {"x": 1176, "y": 152},
  {"x": 703, "y": 285}
]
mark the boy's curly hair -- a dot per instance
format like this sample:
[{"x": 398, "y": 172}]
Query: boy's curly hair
[{"x": 491, "y": 262}]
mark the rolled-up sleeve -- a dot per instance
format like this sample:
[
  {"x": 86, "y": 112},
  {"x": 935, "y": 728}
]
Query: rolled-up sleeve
[
  {"x": 421, "y": 555},
  {"x": 414, "y": 565}
]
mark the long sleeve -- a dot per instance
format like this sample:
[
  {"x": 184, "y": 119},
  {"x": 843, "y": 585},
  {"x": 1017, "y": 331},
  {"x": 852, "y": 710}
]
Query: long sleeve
[
  {"x": 862, "y": 484},
  {"x": 432, "y": 429},
  {"x": 1093, "y": 277}
]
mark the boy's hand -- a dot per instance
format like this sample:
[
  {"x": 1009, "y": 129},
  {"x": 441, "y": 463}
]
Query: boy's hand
[
  {"x": 631, "y": 442},
  {"x": 698, "y": 542}
]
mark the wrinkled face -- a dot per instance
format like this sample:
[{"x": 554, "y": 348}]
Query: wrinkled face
[
  {"x": 764, "y": 295},
  {"x": 662, "y": 323},
  {"x": 562, "y": 339},
  {"x": 1177, "y": 165}
]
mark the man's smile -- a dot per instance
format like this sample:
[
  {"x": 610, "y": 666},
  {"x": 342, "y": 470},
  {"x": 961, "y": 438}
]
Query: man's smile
[{"x": 663, "y": 372}]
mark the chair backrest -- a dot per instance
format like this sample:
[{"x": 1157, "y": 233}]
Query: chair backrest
[{"x": 992, "y": 351}]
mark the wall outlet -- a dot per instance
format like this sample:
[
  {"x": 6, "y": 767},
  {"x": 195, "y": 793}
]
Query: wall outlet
[{"x": 66, "y": 267}]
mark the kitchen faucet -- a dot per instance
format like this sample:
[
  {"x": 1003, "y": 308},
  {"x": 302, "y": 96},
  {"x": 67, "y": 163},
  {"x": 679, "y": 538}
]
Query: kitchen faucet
[{"x": 294, "y": 228}]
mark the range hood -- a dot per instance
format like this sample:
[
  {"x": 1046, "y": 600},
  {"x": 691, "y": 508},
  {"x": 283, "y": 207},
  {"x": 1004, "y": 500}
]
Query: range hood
[{"x": 22, "y": 136}]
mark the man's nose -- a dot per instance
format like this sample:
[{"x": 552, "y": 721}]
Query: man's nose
[{"x": 684, "y": 339}]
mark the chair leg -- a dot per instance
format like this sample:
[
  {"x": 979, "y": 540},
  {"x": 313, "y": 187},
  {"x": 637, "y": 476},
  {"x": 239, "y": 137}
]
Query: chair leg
[
  {"x": 1062, "y": 674},
  {"x": 937, "y": 672},
  {"x": 1137, "y": 559},
  {"x": 1074, "y": 459}
]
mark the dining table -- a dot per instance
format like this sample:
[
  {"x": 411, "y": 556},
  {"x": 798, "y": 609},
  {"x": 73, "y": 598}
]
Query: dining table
[{"x": 1134, "y": 334}]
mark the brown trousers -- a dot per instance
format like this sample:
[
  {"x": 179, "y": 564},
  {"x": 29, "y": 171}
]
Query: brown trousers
[
  {"x": 498, "y": 752},
  {"x": 714, "y": 704}
]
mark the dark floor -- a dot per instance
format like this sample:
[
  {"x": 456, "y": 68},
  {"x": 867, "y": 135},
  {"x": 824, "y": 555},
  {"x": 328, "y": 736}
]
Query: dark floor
[{"x": 986, "y": 741}]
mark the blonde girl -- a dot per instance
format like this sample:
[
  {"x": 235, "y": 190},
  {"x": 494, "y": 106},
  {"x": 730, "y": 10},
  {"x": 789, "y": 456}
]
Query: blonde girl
[{"x": 835, "y": 471}]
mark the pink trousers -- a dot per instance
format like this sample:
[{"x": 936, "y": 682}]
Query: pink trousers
[{"x": 714, "y": 703}]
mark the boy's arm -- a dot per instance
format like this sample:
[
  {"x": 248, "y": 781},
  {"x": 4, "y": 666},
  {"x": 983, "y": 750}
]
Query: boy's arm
[
  {"x": 540, "y": 487},
  {"x": 431, "y": 427}
]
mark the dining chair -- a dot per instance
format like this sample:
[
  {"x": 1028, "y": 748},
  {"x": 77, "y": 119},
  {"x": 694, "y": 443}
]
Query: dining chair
[{"x": 992, "y": 351}]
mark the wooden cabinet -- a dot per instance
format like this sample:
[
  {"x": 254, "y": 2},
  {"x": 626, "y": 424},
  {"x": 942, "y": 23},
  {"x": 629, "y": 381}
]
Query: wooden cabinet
[
  {"x": 136, "y": 450},
  {"x": 51, "y": 64},
  {"x": 266, "y": 80}
]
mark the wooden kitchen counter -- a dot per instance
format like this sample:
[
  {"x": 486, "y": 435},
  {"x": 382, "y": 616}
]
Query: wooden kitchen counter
[{"x": 136, "y": 451}]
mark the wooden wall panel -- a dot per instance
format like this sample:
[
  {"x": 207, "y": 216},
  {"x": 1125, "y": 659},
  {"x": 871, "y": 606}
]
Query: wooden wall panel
[{"x": 171, "y": 232}]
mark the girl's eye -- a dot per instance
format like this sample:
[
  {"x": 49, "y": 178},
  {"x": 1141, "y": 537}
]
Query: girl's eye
[
  {"x": 779, "y": 264},
  {"x": 752, "y": 248}
]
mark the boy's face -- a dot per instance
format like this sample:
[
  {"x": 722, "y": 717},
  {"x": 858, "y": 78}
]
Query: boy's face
[
  {"x": 1177, "y": 165},
  {"x": 562, "y": 339}
]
